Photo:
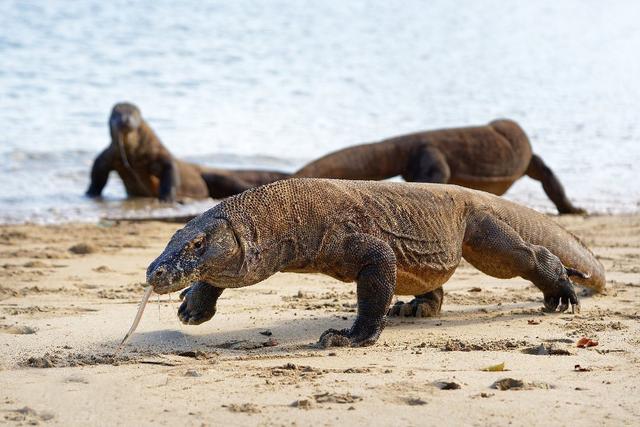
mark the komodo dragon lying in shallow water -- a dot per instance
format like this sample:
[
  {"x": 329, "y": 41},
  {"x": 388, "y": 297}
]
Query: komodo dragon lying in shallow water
[
  {"x": 489, "y": 158},
  {"x": 148, "y": 169},
  {"x": 390, "y": 238}
]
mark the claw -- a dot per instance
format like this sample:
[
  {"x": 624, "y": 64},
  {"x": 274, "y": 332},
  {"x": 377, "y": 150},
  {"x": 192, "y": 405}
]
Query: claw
[
  {"x": 551, "y": 303},
  {"x": 563, "y": 298}
]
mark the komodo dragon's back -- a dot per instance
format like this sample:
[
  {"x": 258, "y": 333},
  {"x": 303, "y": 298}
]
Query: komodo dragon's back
[
  {"x": 372, "y": 161},
  {"x": 423, "y": 223},
  {"x": 499, "y": 151},
  {"x": 494, "y": 152}
]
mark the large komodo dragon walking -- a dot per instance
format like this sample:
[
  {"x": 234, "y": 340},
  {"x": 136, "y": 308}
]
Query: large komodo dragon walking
[
  {"x": 148, "y": 169},
  {"x": 390, "y": 238},
  {"x": 489, "y": 158}
]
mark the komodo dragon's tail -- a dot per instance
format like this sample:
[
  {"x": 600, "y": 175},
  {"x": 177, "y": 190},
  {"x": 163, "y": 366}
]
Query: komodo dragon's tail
[{"x": 583, "y": 266}]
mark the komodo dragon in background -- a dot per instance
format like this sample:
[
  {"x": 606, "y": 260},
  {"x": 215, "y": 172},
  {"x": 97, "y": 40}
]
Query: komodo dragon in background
[
  {"x": 148, "y": 169},
  {"x": 489, "y": 158},
  {"x": 391, "y": 238}
]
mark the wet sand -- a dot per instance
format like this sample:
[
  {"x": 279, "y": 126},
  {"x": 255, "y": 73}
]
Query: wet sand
[{"x": 69, "y": 293}]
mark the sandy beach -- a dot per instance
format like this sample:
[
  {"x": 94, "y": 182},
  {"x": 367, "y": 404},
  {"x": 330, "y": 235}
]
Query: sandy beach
[
  {"x": 68, "y": 294},
  {"x": 94, "y": 96}
]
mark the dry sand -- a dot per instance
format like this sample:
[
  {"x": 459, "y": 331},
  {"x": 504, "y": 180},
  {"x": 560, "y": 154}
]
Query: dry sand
[{"x": 63, "y": 312}]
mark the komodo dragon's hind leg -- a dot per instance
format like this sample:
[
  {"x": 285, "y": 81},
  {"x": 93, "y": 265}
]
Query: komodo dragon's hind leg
[
  {"x": 425, "y": 305},
  {"x": 539, "y": 171},
  {"x": 372, "y": 264},
  {"x": 496, "y": 249},
  {"x": 198, "y": 303}
]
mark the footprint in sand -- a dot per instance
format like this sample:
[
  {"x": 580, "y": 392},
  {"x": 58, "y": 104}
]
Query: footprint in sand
[
  {"x": 17, "y": 329},
  {"x": 28, "y": 415}
]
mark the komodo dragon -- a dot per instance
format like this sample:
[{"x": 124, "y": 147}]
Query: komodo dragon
[
  {"x": 489, "y": 158},
  {"x": 391, "y": 238},
  {"x": 148, "y": 169},
  {"x": 228, "y": 182}
]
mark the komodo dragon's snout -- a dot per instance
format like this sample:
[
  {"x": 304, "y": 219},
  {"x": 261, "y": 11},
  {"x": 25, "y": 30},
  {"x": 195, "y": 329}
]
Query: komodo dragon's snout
[{"x": 212, "y": 252}]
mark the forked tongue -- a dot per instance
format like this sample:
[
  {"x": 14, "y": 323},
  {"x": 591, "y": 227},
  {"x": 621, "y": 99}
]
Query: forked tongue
[{"x": 145, "y": 298}]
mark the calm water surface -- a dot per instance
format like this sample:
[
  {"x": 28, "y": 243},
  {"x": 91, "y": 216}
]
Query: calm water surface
[{"x": 275, "y": 84}]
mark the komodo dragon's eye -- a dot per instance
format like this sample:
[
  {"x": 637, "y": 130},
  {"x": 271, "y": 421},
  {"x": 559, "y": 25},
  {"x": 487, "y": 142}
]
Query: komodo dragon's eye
[{"x": 198, "y": 244}]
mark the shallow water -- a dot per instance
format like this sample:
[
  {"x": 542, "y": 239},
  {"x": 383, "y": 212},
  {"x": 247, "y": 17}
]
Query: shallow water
[{"x": 274, "y": 84}]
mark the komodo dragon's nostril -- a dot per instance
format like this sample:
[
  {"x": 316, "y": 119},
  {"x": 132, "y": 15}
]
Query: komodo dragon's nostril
[{"x": 159, "y": 274}]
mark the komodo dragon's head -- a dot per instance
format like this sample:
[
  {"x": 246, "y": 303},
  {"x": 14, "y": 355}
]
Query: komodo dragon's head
[
  {"x": 124, "y": 124},
  {"x": 204, "y": 250},
  {"x": 125, "y": 118}
]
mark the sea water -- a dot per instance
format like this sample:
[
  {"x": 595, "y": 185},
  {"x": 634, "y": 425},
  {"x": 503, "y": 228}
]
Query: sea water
[{"x": 275, "y": 84}]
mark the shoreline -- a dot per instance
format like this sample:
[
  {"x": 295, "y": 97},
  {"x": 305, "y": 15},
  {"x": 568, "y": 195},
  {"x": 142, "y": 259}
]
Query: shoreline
[
  {"x": 71, "y": 208},
  {"x": 63, "y": 312}
]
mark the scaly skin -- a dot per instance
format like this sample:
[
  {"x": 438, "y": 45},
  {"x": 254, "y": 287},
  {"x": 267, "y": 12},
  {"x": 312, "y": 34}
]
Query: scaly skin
[
  {"x": 390, "y": 238},
  {"x": 148, "y": 169},
  {"x": 489, "y": 158}
]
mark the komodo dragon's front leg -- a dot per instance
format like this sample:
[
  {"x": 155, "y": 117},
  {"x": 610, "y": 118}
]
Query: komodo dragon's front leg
[
  {"x": 495, "y": 248},
  {"x": 198, "y": 303},
  {"x": 372, "y": 264}
]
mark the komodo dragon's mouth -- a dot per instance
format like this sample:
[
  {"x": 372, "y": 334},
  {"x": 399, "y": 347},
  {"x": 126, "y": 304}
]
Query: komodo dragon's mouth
[{"x": 165, "y": 280}]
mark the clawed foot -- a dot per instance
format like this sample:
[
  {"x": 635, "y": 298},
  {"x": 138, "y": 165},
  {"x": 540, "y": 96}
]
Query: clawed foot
[
  {"x": 335, "y": 338},
  {"x": 415, "y": 308},
  {"x": 563, "y": 297},
  {"x": 349, "y": 338},
  {"x": 425, "y": 305},
  {"x": 572, "y": 210},
  {"x": 198, "y": 303}
]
